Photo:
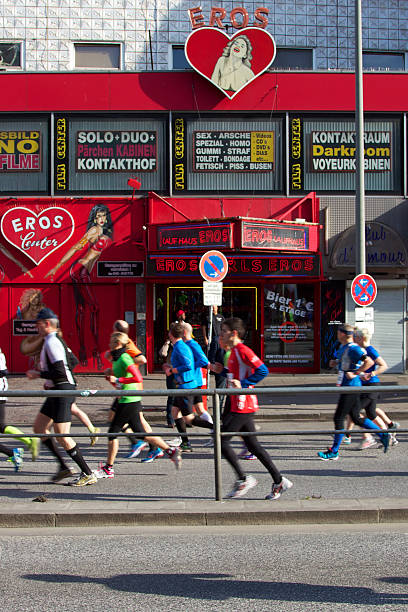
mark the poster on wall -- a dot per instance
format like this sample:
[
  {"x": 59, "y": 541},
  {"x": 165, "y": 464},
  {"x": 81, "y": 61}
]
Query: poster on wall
[
  {"x": 220, "y": 151},
  {"x": 94, "y": 155},
  {"x": 24, "y": 155},
  {"x": 73, "y": 248},
  {"x": 227, "y": 155},
  {"x": 322, "y": 154},
  {"x": 333, "y": 314},
  {"x": 289, "y": 325}
]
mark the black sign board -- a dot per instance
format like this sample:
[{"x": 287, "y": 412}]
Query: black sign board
[
  {"x": 120, "y": 268},
  {"x": 179, "y": 154},
  {"x": 279, "y": 266},
  {"x": 61, "y": 154},
  {"x": 296, "y": 154},
  {"x": 268, "y": 236},
  {"x": 116, "y": 151},
  {"x": 194, "y": 236},
  {"x": 24, "y": 328}
]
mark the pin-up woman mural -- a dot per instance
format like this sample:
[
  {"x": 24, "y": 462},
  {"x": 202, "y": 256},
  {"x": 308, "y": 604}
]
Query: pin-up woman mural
[
  {"x": 98, "y": 236},
  {"x": 233, "y": 68}
]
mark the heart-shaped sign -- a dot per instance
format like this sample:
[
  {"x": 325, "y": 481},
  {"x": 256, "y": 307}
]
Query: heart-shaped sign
[
  {"x": 37, "y": 235},
  {"x": 230, "y": 62}
]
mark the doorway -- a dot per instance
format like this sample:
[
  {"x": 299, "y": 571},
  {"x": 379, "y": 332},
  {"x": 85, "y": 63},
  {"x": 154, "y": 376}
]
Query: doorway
[{"x": 239, "y": 302}]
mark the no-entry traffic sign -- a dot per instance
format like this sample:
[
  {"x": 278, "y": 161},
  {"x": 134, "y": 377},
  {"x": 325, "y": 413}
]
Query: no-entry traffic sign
[
  {"x": 363, "y": 290},
  {"x": 213, "y": 266}
]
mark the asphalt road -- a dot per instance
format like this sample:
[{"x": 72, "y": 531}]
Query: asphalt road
[
  {"x": 357, "y": 474},
  {"x": 286, "y": 569}
]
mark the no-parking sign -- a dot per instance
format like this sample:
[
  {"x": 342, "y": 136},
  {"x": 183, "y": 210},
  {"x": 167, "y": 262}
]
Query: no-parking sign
[
  {"x": 213, "y": 266},
  {"x": 364, "y": 290}
]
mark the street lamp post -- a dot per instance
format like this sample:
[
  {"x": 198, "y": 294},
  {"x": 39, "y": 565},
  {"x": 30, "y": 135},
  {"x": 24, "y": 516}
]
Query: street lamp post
[{"x": 360, "y": 245}]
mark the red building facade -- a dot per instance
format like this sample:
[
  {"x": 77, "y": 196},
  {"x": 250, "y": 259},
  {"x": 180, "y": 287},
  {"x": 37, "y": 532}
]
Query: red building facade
[{"x": 234, "y": 175}]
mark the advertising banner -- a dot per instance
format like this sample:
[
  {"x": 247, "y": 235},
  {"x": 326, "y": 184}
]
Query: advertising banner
[
  {"x": 289, "y": 325},
  {"x": 24, "y": 155},
  {"x": 322, "y": 155},
  {"x": 69, "y": 257},
  {"x": 97, "y": 156},
  {"x": 233, "y": 151},
  {"x": 227, "y": 154}
]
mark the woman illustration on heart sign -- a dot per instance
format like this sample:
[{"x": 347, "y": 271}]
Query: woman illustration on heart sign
[
  {"x": 98, "y": 236},
  {"x": 233, "y": 68}
]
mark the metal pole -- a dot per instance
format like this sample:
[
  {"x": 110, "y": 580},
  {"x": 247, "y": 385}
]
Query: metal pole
[
  {"x": 217, "y": 447},
  {"x": 359, "y": 119}
]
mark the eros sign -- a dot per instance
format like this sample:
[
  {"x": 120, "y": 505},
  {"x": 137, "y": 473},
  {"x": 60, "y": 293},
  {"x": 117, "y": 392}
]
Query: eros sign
[
  {"x": 218, "y": 14},
  {"x": 37, "y": 235}
]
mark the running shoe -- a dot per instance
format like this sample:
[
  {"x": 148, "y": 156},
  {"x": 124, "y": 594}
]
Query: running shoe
[
  {"x": 248, "y": 457},
  {"x": 35, "y": 448},
  {"x": 94, "y": 436},
  {"x": 83, "y": 480},
  {"x": 393, "y": 440},
  {"x": 175, "y": 457},
  {"x": 153, "y": 455},
  {"x": 63, "y": 473},
  {"x": 186, "y": 447},
  {"x": 137, "y": 449},
  {"x": 368, "y": 443},
  {"x": 244, "y": 451},
  {"x": 175, "y": 442},
  {"x": 278, "y": 489},
  {"x": 242, "y": 487},
  {"x": 17, "y": 458},
  {"x": 104, "y": 471},
  {"x": 347, "y": 440},
  {"x": 328, "y": 455},
  {"x": 395, "y": 425}
]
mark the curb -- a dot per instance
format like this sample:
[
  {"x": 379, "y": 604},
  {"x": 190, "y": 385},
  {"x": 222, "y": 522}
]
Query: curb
[{"x": 211, "y": 514}]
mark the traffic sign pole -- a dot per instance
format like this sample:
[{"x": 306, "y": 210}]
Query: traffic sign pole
[{"x": 213, "y": 268}]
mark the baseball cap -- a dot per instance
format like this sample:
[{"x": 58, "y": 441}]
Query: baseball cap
[
  {"x": 46, "y": 313},
  {"x": 180, "y": 312}
]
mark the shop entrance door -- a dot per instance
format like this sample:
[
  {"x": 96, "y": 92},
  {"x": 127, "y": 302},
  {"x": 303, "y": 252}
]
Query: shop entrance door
[{"x": 239, "y": 302}]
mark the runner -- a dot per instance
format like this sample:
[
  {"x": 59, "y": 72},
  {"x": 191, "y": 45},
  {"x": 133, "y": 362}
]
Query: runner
[
  {"x": 370, "y": 378},
  {"x": 245, "y": 370},
  {"x": 126, "y": 375},
  {"x": 353, "y": 361},
  {"x": 200, "y": 361},
  {"x": 15, "y": 455},
  {"x": 183, "y": 368},
  {"x": 56, "y": 411}
]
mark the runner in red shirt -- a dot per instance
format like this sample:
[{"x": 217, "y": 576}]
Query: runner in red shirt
[{"x": 245, "y": 369}]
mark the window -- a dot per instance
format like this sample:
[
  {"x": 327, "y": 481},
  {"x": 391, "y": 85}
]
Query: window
[
  {"x": 293, "y": 59},
  {"x": 98, "y": 56},
  {"x": 179, "y": 59},
  {"x": 10, "y": 55},
  {"x": 383, "y": 61}
]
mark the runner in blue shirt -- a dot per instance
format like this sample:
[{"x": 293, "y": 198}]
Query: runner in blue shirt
[{"x": 353, "y": 361}]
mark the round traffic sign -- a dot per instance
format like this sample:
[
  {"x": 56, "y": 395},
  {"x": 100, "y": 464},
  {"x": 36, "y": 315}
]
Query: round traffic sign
[
  {"x": 213, "y": 266},
  {"x": 363, "y": 290}
]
